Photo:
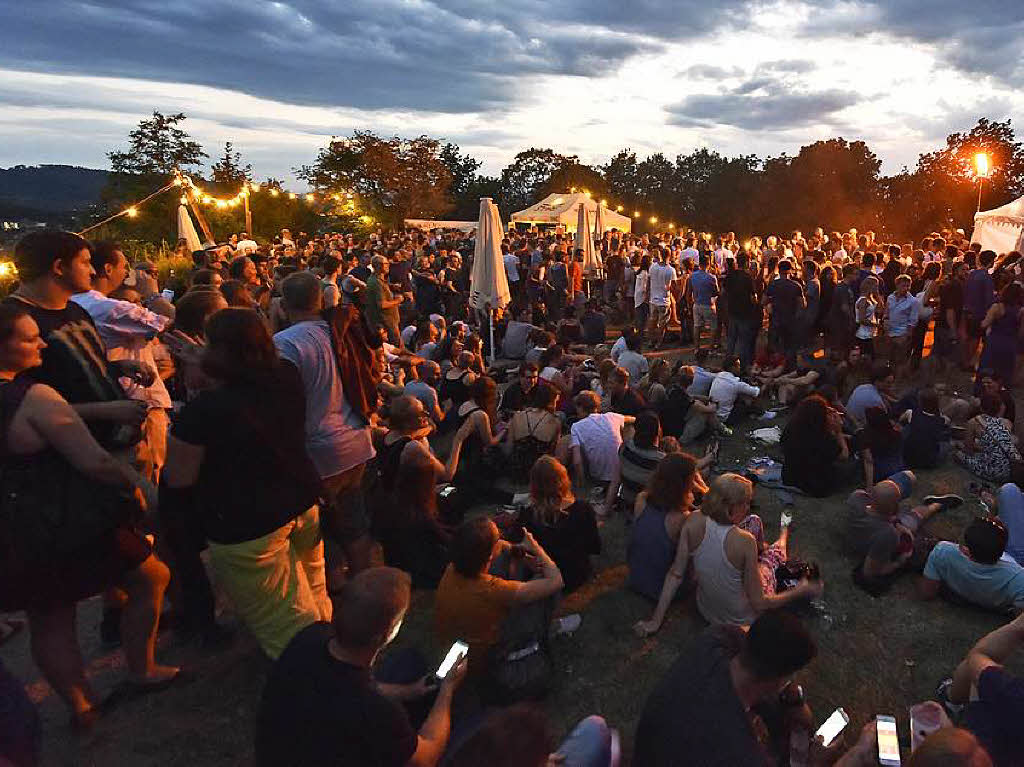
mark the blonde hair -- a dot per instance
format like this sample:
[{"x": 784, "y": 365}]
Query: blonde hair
[
  {"x": 727, "y": 491},
  {"x": 549, "y": 489}
]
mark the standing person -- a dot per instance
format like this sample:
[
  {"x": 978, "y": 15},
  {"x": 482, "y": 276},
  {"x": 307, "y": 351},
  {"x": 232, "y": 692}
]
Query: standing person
[
  {"x": 841, "y": 321},
  {"x": 744, "y": 313},
  {"x": 641, "y": 297},
  {"x": 127, "y": 331},
  {"x": 381, "y": 307},
  {"x": 809, "y": 315},
  {"x": 867, "y": 311},
  {"x": 660, "y": 277},
  {"x": 332, "y": 273},
  {"x": 54, "y": 469},
  {"x": 979, "y": 295},
  {"x": 902, "y": 315},
  {"x": 337, "y": 436},
  {"x": 511, "y": 263},
  {"x": 1002, "y": 331},
  {"x": 704, "y": 289},
  {"x": 240, "y": 447},
  {"x": 786, "y": 299}
]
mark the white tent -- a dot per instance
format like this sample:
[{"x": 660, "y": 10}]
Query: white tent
[
  {"x": 187, "y": 230},
  {"x": 1002, "y": 229},
  {"x": 584, "y": 240},
  {"x": 488, "y": 283},
  {"x": 563, "y": 209}
]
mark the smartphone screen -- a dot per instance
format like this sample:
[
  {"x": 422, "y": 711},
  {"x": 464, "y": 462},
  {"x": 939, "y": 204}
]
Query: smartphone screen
[
  {"x": 888, "y": 741},
  {"x": 457, "y": 651},
  {"x": 833, "y": 726}
]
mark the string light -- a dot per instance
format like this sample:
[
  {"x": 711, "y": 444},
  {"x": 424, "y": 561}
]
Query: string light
[
  {"x": 274, "y": 193},
  {"x": 619, "y": 208},
  {"x": 654, "y": 219},
  {"x": 292, "y": 195},
  {"x": 636, "y": 214},
  {"x": 310, "y": 197},
  {"x": 132, "y": 212}
]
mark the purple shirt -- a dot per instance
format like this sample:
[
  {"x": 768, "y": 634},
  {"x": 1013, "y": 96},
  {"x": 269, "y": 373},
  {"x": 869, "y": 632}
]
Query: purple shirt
[{"x": 979, "y": 293}]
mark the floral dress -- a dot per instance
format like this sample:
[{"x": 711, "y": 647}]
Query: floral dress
[{"x": 994, "y": 451}]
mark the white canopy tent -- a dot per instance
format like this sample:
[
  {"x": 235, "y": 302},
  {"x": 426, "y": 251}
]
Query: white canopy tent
[
  {"x": 1002, "y": 229},
  {"x": 187, "y": 230},
  {"x": 488, "y": 283},
  {"x": 564, "y": 209}
]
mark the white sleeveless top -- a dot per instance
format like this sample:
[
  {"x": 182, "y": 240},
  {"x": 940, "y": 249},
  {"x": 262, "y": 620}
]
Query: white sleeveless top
[{"x": 720, "y": 595}]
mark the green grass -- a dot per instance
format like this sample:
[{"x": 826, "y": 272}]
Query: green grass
[{"x": 876, "y": 655}]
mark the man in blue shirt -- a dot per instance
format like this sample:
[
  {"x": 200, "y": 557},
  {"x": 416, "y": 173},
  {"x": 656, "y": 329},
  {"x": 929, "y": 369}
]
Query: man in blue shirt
[
  {"x": 902, "y": 314},
  {"x": 704, "y": 288},
  {"x": 977, "y": 570},
  {"x": 979, "y": 295}
]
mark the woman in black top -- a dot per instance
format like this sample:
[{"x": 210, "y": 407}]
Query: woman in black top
[
  {"x": 476, "y": 421},
  {"x": 812, "y": 444},
  {"x": 241, "y": 447},
  {"x": 564, "y": 527}
]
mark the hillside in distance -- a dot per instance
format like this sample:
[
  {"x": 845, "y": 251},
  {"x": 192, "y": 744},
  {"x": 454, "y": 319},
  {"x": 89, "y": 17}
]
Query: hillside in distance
[{"x": 46, "y": 190}]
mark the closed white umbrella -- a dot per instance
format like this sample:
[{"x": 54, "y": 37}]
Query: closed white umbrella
[
  {"x": 599, "y": 222},
  {"x": 187, "y": 230},
  {"x": 584, "y": 241},
  {"x": 488, "y": 283}
]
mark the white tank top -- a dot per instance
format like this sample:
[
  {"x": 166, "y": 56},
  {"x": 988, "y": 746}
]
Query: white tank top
[{"x": 720, "y": 595}]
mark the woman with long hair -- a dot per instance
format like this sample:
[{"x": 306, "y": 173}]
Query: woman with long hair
[
  {"x": 734, "y": 568},
  {"x": 881, "y": 446},
  {"x": 867, "y": 310},
  {"x": 1002, "y": 325},
  {"x": 53, "y": 468},
  {"x": 564, "y": 526},
  {"x": 475, "y": 423},
  {"x": 237, "y": 456},
  {"x": 813, "y": 446},
  {"x": 533, "y": 432},
  {"x": 659, "y": 513}
]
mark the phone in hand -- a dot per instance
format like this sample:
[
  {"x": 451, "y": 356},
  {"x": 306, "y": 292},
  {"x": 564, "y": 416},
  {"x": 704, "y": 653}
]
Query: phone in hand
[
  {"x": 834, "y": 725},
  {"x": 888, "y": 741},
  {"x": 456, "y": 652}
]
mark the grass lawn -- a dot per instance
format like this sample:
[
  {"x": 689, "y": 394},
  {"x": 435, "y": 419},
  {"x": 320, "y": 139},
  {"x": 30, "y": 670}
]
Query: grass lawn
[{"x": 876, "y": 655}]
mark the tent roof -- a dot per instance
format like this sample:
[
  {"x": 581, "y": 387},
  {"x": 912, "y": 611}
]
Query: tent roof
[
  {"x": 563, "y": 209},
  {"x": 1012, "y": 210}
]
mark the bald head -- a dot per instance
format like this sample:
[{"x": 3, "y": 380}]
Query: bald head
[
  {"x": 950, "y": 747},
  {"x": 886, "y": 496}
]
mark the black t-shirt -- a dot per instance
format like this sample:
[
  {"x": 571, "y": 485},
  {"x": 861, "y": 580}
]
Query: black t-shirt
[
  {"x": 694, "y": 715},
  {"x": 256, "y": 475},
  {"x": 514, "y": 399},
  {"x": 674, "y": 410},
  {"x": 951, "y": 296},
  {"x": 784, "y": 295},
  {"x": 317, "y": 709},
  {"x": 569, "y": 542},
  {"x": 594, "y": 326},
  {"x": 739, "y": 294},
  {"x": 630, "y": 402},
  {"x": 809, "y": 461},
  {"x": 75, "y": 364}
]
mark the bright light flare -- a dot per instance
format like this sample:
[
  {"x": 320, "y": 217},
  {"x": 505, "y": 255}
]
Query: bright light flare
[{"x": 981, "y": 164}]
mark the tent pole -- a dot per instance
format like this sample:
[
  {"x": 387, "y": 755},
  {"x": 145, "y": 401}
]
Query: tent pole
[{"x": 490, "y": 321}]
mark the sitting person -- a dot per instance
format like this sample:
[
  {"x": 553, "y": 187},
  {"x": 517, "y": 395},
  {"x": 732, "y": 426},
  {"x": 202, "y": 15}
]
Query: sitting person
[
  {"x": 322, "y": 703},
  {"x": 994, "y": 697},
  {"x": 950, "y": 747},
  {"x": 879, "y": 534},
  {"x": 594, "y": 440},
  {"x": 732, "y": 682},
  {"x": 793, "y": 385},
  {"x": 532, "y": 432},
  {"x": 978, "y": 571},
  {"x": 989, "y": 447},
  {"x": 456, "y": 381},
  {"x": 631, "y": 359},
  {"x": 659, "y": 512},
  {"x": 730, "y": 395},
  {"x": 767, "y": 367},
  {"x": 476, "y": 422},
  {"x": 876, "y": 393},
  {"x": 653, "y": 387},
  {"x": 622, "y": 397},
  {"x": 734, "y": 568},
  {"x": 519, "y": 737},
  {"x": 926, "y": 432},
  {"x": 594, "y": 323},
  {"x": 685, "y": 415},
  {"x": 814, "y": 448},
  {"x": 472, "y": 604},
  {"x": 565, "y": 527},
  {"x": 520, "y": 393},
  {"x": 1008, "y": 503},
  {"x": 881, "y": 446}
]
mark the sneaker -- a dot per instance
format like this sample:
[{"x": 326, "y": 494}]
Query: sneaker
[
  {"x": 948, "y": 501},
  {"x": 726, "y": 430},
  {"x": 566, "y": 625},
  {"x": 786, "y": 519}
]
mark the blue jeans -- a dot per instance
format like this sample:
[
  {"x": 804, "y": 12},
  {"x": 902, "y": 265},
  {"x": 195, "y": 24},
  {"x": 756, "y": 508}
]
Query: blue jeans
[
  {"x": 1011, "y": 511},
  {"x": 740, "y": 339},
  {"x": 588, "y": 745}
]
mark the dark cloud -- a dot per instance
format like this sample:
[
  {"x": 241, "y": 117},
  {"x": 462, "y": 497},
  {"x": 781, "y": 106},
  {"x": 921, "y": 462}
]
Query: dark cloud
[
  {"x": 709, "y": 72},
  {"x": 762, "y": 103},
  {"x": 437, "y": 55}
]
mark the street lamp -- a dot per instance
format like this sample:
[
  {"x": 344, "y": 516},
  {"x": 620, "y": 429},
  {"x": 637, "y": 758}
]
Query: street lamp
[{"x": 982, "y": 170}]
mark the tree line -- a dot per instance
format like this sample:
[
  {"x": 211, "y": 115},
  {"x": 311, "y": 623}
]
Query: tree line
[{"x": 834, "y": 183}]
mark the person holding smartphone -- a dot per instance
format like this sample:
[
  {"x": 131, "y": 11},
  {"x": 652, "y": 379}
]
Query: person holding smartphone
[{"x": 324, "y": 704}]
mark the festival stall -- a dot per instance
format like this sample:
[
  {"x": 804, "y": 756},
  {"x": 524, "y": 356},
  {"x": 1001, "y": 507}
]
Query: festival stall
[
  {"x": 1002, "y": 229},
  {"x": 433, "y": 223},
  {"x": 563, "y": 210}
]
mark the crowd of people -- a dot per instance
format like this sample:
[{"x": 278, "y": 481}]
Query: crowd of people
[{"x": 313, "y": 427}]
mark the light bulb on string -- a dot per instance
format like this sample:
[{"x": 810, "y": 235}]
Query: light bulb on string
[
  {"x": 132, "y": 212},
  {"x": 292, "y": 195}
]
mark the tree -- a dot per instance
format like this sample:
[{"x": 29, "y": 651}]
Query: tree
[
  {"x": 621, "y": 176},
  {"x": 574, "y": 174},
  {"x": 229, "y": 170},
  {"x": 463, "y": 170},
  {"x": 157, "y": 146},
  {"x": 521, "y": 181},
  {"x": 393, "y": 179}
]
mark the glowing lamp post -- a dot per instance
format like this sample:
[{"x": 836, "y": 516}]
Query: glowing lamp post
[{"x": 982, "y": 170}]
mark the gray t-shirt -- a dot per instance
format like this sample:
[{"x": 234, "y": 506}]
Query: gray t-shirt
[
  {"x": 869, "y": 534},
  {"x": 516, "y": 336}
]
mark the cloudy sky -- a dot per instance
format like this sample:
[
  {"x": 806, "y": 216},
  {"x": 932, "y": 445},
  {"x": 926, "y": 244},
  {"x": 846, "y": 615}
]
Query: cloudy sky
[{"x": 584, "y": 77}]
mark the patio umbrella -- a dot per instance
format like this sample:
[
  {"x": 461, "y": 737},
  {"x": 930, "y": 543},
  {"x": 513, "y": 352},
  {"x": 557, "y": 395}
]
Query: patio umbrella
[
  {"x": 599, "y": 222},
  {"x": 584, "y": 241},
  {"x": 488, "y": 283},
  {"x": 187, "y": 230}
]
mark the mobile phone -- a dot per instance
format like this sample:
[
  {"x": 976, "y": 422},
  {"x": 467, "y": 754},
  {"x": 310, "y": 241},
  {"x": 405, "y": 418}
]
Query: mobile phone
[
  {"x": 457, "y": 651},
  {"x": 834, "y": 725},
  {"x": 888, "y": 741}
]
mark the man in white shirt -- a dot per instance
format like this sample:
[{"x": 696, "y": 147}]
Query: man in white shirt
[
  {"x": 245, "y": 246},
  {"x": 660, "y": 277},
  {"x": 594, "y": 440},
  {"x": 127, "y": 330},
  {"x": 690, "y": 253},
  {"x": 721, "y": 254},
  {"x": 729, "y": 393},
  {"x": 337, "y": 438}
]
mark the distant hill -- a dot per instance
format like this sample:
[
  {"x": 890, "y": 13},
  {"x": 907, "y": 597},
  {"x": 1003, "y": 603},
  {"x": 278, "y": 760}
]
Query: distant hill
[{"x": 46, "y": 190}]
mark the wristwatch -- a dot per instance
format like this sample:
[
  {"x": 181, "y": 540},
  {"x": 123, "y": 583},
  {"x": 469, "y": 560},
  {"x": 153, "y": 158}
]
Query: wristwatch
[{"x": 791, "y": 695}]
